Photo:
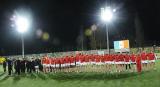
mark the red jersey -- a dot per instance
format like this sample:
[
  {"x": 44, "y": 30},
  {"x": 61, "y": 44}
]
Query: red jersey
[
  {"x": 43, "y": 60},
  {"x": 127, "y": 58},
  {"x": 116, "y": 58},
  {"x": 72, "y": 60},
  {"x": 133, "y": 58},
  {"x": 151, "y": 56},
  {"x": 62, "y": 60},
  {"x": 138, "y": 63},
  {"x": 52, "y": 61},
  {"x": 121, "y": 57},
  {"x": 102, "y": 58},
  {"x": 77, "y": 58},
  {"x": 143, "y": 56},
  {"x": 82, "y": 58},
  {"x": 92, "y": 58},
  {"x": 97, "y": 58},
  {"x": 67, "y": 59},
  {"x": 86, "y": 58},
  {"x": 48, "y": 61}
]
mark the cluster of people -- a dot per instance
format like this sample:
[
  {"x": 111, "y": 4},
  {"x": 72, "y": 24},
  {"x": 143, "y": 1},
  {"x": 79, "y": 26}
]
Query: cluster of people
[
  {"x": 121, "y": 61},
  {"x": 82, "y": 63},
  {"x": 17, "y": 66}
]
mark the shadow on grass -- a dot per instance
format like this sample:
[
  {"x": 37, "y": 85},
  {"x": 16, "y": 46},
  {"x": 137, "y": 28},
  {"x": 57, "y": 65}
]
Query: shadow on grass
[
  {"x": 16, "y": 79},
  {"x": 91, "y": 76},
  {"x": 4, "y": 78},
  {"x": 2, "y": 74},
  {"x": 32, "y": 76},
  {"x": 42, "y": 76}
]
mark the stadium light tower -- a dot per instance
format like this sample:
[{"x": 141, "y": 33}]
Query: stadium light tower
[
  {"x": 107, "y": 16},
  {"x": 22, "y": 24}
]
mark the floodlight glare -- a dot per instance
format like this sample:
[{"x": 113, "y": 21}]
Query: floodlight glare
[
  {"x": 106, "y": 14},
  {"x": 22, "y": 24}
]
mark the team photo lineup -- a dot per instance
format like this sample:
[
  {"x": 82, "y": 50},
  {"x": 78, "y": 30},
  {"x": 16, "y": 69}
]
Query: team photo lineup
[
  {"x": 79, "y": 43},
  {"x": 110, "y": 63}
]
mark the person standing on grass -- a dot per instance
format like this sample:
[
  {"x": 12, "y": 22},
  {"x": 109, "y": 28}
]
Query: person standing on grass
[
  {"x": 133, "y": 61},
  {"x": 23, "y": 65},
  {"x": 36, "y": 66},
  {"x": 4, "y": 65},
  {"x": 18, "y": 63},
  {"x": 138, "y": 63},
  {"x": 40, "y": 65},
  {"x": 9, "y": 66},
  {"x": 127, "y": 61},
  {"x": 27, "y": 65},
  {"x": 33, "y": 65}
]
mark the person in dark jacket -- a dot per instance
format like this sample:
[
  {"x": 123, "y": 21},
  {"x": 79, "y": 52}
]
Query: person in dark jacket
[
  {"x": 23, "y": 65},
  {"x": 27, "y": 66},
  {"x": 18, "y": 63},
  {"x": 33, "y": 65},
  {"x": 10, "y": 64},
  {"x": 4, "y": 65},
  {"x": 40, "y": 65}
]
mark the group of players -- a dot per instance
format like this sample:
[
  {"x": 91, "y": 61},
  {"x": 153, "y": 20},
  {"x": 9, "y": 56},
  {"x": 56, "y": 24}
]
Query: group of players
[
  {"x": 82, "y": 63},
  {"x": 108, "y": 61}
]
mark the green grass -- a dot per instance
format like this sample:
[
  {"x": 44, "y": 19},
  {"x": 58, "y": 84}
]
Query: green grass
[{"x": 145, "y": 79}]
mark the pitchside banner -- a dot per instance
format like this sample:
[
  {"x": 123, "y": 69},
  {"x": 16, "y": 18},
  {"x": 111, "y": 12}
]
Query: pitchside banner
[{"x": 121, "y": 46}]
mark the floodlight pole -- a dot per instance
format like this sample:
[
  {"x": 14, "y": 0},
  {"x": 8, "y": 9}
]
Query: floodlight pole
[
  {"x": 107, "y": 36},
  {"x": 22, "y": 39}
]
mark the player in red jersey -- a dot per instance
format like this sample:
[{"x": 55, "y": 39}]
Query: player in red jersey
[
  {"x": 44, "y": 62},
  {"x": 77, "y": 62},
  {"x": 86, "y": 63},
  {"x": 52, "y": 64},
  {"x": 72, "y": 63},
  {"x": 144, "y": 60},
  {"x": 62, "y": 64},
  {"x": 127, "y": 61},
  {"x": 102, "y": 58},
  {"x": 151, "y": 58},
  {"x": 116, "y": 56},
  {"x": 111, "y": 58},
  {"x": 48, "y": 61},
  {"x": 57, "y": 64},
  {"x": 120, "y": 59},
  {"x": 106, "y": 56},
  {"x": 138, "y": 63},
  {"x": 133, "y": 62},
  {"x": 77, "y": 59}
]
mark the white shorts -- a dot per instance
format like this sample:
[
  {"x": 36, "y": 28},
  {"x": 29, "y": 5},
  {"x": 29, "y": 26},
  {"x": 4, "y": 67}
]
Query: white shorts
[
  {"x": 36, "y": 67},
  {"x": 120, "y": 62},
  {"x": 144, "y": 61},
  {"x": 57, "y": 65},
  {"x": 67, "y": 64},
  {"x": 111, "y": 62},
  {"x": 133, "y": 62},
  {"x": 44, "y": 64},
  {"x": 151, "y": 61},
  {"x": 78, "y": 63},
  {"x": 63, "y": 65},
  {"x": 84, "y": 63},
  {"x": 99, "y": 63},
  {"x": 72, "y": 63},
  {"x": 127, "y": 62},
  {"x": 52, "y": 66},
  {"x": 93, "y": 62}
]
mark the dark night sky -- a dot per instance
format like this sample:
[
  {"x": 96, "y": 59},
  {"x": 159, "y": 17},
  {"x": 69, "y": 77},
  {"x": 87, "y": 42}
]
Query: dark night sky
[{"x": 63, "y": 19}]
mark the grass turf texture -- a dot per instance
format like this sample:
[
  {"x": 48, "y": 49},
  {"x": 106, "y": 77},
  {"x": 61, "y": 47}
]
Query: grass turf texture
[{"x": 145, "y": 79}]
